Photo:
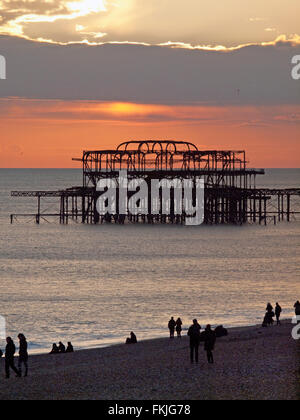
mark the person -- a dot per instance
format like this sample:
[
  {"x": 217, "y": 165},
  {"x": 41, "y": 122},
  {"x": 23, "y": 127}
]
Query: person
[
  {"x": 194, "y": 334},
  {"x": 23, "y": 354},
  {"x": 9, "y": 358},
  {"x": 265, "y": 321},
  {"x": 278, "y": 311},
  {"x": 220, "y": 331},
  {"x": 1, "y": 353},
  {"x": 209, "y": 343},
  {"x": 61, "y": 347},
  {"x": 297, "y": 308},
  {"x": 270, "y": 314},
  {"x": 132, "y": 339},
  {"x": 178, "y": 327},
  {"x": 55, "y": 349},
  {"x": 171, "y": 326},
  {"x": 70, "y": 348}
]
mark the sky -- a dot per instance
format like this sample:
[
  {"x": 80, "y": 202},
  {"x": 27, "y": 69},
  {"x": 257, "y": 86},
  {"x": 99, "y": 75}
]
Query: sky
[{"x": 91, "y": 74}]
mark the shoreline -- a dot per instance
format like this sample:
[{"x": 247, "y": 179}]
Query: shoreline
[
  {"x": 250, "y": 363},
  {"x": 98, "y": 346}
]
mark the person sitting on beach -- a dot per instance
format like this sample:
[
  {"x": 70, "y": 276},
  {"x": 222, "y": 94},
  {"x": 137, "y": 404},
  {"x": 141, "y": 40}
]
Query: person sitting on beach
[
  {"x": 270, "y": 314},
  {"x": 61, "y": 347},
  {"x": 278, "y": 311},
  {"x": 171, "y": 326},
  {"x": 194, "y": 334},
  {"x": 9, "y": 358},
  {"x": 178, "y": 327},
  {"x": 220, "y": 331},
  {"x": 55, "y": 349},
  {"x": 209, "y": 343},
  {"x": 70, "y": 348},
  {"x": 23, "y": 354},
  {"x": 297, "y": 308},
  {"x": 132, "y": 339}
]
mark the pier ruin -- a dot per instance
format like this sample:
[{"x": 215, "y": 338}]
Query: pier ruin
[{"x": 231, "y": 194}]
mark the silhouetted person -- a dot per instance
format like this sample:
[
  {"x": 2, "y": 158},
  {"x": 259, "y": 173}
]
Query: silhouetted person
[
  {"x": 194, "y": 334},
  {"x": 220, "y": 331},
  {"x": 178, "y": 327},
  {"x": 69, "y": 348},
  {"x": 278, "y": 311},
  {"x": 270, "y": 314},
  {"x": 1, "y": 353},
  {"x": 132, "y": 339},
  {"x": 209, "y": 343},
  {"x": 9, "y": 357},
  {"x": 171, "y": 326},
  {"x": 23, "y": 354},
  {"x": 265, "y": 321},
  {"x": 297, "y": 308},
  {"x": 55, "y": 349},
  {"x": 61, "y": 347}
]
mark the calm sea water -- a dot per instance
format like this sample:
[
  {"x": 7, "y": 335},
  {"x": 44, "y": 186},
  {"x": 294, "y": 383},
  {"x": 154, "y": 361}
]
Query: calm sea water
[{"x": 92, "y": 285}]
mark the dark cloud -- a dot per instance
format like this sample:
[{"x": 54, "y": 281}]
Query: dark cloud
[{"x": 253, "y": 75}]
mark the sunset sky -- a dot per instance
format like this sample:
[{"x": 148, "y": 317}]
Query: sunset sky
[{"x": 90, "y": 74}]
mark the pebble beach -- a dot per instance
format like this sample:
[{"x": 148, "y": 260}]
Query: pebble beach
[{"x": 250, "y": 363}]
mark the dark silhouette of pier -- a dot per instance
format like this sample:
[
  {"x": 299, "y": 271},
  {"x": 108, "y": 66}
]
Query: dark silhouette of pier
[{"x": 231, "y": 195}]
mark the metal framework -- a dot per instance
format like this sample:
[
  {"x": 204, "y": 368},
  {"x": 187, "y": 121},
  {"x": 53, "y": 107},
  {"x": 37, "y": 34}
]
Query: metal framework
[{"x": 231, "y": 196}]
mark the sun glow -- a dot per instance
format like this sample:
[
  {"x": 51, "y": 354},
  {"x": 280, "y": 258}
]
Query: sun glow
[{"x": 84, "y": 7}]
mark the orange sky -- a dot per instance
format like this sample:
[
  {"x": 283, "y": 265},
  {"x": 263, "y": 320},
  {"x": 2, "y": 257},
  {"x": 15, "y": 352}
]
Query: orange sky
[
  {"x": 159, "y": 59},
  {"x": 37, "y": 134}
]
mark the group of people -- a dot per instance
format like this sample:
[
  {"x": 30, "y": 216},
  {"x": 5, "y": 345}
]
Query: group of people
[
  {"x": 175, "y": 325},
  {"x": 276, "y": 312},
  {"x": 194, "y": 332},
  {"x": 61, "y": 348},
  {"x": 208, "y": 337},
  {"x": 10, "y": 351}
]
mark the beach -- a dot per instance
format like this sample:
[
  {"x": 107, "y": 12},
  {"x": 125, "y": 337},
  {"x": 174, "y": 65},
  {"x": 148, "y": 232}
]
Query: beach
[{"x": 250, "y": 363}]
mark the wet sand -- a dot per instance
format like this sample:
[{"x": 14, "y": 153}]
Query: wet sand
[{"x": 251, "y": 363}]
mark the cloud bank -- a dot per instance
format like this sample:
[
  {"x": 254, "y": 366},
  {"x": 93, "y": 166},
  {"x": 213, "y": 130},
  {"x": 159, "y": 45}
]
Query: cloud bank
[{"x": 253, "y": 75}]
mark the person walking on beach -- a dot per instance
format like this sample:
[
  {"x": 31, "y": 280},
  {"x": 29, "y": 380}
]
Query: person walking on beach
[
  {"x": 194, "y": 334},
  {"x": 178, "y": 327},
  {"x": 209, "y": 343},
  {"x": 23, "y": 354},
  {"x": 9, "y": 358},
  {"x": 278, "y": 311},
  {"x": 171, "y": 326}
]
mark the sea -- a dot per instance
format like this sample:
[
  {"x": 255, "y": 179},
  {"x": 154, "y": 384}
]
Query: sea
[{"x": 93, "y": 285}]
